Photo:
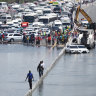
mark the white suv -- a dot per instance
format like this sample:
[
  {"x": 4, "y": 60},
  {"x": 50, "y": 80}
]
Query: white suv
[
  {"x": 76, "y": 49},
  {"x": 12, "y": 37}
]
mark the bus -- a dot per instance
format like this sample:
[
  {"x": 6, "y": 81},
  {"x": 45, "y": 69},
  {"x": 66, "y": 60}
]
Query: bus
[
  {"x": 30, "y": 17},
  {"x": 48, "y": 19}
]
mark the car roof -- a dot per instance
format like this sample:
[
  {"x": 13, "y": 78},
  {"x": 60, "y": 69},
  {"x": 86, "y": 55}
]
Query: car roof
[
  {"x": 76, "y": 45},
  {"x": 12, "y": 33},
  {"x": 80, "y": 45},
  {"x": 72, "y": 45}
]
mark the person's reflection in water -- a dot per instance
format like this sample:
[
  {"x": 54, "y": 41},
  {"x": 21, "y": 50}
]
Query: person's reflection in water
[{"x": 40, "y": 89}]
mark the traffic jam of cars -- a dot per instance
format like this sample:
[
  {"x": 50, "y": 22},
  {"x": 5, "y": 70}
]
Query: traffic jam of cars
[{"x": 31, "y": 22}]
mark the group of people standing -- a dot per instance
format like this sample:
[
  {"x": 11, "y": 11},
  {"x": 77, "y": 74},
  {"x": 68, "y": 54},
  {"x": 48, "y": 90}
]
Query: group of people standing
[
  {"x": 30, "y": 77},
  {"x": 61, "y": 36}
]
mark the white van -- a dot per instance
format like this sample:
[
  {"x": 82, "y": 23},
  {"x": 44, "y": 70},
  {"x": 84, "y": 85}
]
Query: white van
[
  {"x": 38, "y": 8},
  {"x": 16, "y": 6},
  {"x": 46, "y": 11},
  {"x": 4, "y": 5},
  {"x": 15, "y": 23},
  {"x": 6, "y": 18},
  {"x": 39, "y": 24},
  {"x": 66, "y": 21},
  {"x": 9, "y": 23},
  {"x": 57, "y": 23},
  {"x": 39, "y": 12}
]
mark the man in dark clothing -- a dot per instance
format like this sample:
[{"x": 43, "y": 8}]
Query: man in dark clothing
[
  {"x": 24, "y": 38},
  {"x": 40, "y": 69},
  {"x": 30, "y": 77},
  {"x": 53, "y": 40}
]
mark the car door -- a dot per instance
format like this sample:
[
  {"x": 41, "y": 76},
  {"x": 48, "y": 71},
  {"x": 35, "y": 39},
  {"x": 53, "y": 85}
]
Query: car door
[{"x": 17, "y": 37}]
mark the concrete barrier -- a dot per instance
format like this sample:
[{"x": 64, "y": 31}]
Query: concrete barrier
[{"x": 29, "y": 93}]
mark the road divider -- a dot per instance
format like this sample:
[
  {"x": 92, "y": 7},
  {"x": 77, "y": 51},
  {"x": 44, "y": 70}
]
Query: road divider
[{"x": 29, "y": 93}]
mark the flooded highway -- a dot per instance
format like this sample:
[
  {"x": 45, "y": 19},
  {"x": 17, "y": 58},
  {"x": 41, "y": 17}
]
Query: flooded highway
[
  {"x": 73, "y": 75},
  {"x": 15, "y": 62}
]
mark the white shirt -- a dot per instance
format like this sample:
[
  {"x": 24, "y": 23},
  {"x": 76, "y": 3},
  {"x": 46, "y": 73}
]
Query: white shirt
[{"x": 43, "y": 65}]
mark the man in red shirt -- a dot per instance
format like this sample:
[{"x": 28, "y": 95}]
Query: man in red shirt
[{"x": 2, "y": 37}]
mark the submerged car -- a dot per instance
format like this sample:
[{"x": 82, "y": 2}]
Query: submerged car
[{"x": 76, "y": 49}]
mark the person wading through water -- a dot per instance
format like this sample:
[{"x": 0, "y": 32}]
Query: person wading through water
[
  {"x": 30, "y": 78},
  {"x": 40, "y": 68}
]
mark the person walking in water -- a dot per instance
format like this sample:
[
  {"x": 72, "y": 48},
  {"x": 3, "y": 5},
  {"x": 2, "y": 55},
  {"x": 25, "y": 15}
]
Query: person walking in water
[
  {"x": 30, "y": 78},
  {"x": 40, "y": 68}
]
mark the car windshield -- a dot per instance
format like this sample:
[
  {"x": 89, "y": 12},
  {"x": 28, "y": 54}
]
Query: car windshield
[
  {"x": 73, "y": 47},
  {"x": 57, "y": 24},
  {"x": 56, "y": 9},
  {"x": 66, "y": 23},
  {"x": 10, "y": 34},
  {"x": 45, "y": 21},
  {"x": 81, "y": 46},
  {"x": 55, "y": 28}
]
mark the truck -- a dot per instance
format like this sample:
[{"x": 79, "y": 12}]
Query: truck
[
  {"x": 85, "y": 34},
  {"x": 86, "y": 37}
]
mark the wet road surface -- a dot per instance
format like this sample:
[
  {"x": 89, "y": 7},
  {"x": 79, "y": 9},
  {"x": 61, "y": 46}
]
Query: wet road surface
[
  {"x": 73, "y": 75},
  {"x": 15, "y": 62}
]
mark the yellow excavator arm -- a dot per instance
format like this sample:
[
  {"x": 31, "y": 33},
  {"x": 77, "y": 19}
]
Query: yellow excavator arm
[{"x": 84, "y": 14}]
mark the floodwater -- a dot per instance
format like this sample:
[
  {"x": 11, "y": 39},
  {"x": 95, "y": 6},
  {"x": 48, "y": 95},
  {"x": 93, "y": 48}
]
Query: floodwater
[
  {"x": 15, "y": 62},
  {"x": 73, "y": 75}
]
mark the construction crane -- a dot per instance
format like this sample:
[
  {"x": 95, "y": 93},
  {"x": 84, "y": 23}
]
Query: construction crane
[{"x": 84, "y": 14}]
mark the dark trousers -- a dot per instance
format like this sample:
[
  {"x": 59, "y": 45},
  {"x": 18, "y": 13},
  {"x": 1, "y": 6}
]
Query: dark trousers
[
  {"x": 40, "y": 73},
  {"x": 30, "y": 84},
  {"x": 49, "y": 41}
]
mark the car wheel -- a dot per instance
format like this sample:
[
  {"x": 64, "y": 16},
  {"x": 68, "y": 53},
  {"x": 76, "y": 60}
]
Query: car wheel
[
  {"x": 80, "y": 52},
  {"x": 65, "y": 51},
  {"x": 12, "y": 40},
  {"x": 94, "y": 45},
  {"x": 70, "y": 52}
]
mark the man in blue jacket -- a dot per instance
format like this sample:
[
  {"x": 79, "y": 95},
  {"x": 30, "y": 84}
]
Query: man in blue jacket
[{"x": 30, "y": 77}]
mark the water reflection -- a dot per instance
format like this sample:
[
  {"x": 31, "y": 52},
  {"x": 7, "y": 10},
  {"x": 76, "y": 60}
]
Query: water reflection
[
  {"x": 40, "y": 89},
  {"x": 15, "y": 62},
  {"x": 75, "y": 74}
]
